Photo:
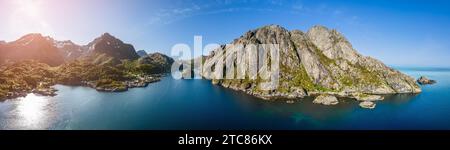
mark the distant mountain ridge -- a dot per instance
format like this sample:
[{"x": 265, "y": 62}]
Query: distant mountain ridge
[
  {"x": 69, "y": 50},
  {"x": 34, "y": 63},
  {"x": 53, "y": 52},
  {"x": 142, "y": 53},
  {"x": 32, "y": 46},
  {"x": 157, "y": 59}
]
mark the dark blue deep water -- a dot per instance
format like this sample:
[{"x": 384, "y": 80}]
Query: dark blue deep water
[{"x": 197, "y": 104}]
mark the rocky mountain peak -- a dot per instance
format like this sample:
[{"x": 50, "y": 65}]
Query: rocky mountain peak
[
  {"x": 333, "y": 44},
  {"x": 272, "y": 27},
  {"x": 318, "y": 28},
  {"x": 32, "y": 46},
  {"x": 106, "y": 34},
  {"x": 318, "y": 61},
  {"x": 30, "y": 38},
  {"x": 269, "y": 29},
  {"x": 70, "y": 42},
  {"x": 31, "y": 35},
  {"x": 106, "y": 37},
  {"x": 61, "y": 44},
  {"x": 142, "y": 53},
  {"x": 111, "y": 46}
]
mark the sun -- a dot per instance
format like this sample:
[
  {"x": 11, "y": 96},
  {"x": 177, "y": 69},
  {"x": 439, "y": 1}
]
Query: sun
[{"x": 28, "y": 17}]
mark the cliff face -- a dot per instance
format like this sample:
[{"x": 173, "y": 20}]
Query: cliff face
[{"x": 318, "y": 61}]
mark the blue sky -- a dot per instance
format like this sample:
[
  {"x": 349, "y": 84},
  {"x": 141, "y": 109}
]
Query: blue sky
[{"x": 398, "y": 32}]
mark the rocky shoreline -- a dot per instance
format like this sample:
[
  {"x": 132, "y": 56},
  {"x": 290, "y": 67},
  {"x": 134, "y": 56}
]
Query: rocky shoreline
[
  {"x": 366, "y": 100},
  {"x": 46, "y": 89},
  {"x": 141, "y": 82},
  {"x": 41, "y": 91},
  {"x": 18, "y": 79}
]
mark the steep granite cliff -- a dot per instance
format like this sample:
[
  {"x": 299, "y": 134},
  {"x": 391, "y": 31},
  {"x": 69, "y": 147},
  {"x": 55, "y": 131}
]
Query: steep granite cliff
[{"x": 320, "y": 61}]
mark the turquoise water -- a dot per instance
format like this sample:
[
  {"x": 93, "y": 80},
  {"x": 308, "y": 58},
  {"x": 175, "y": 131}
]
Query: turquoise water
[{"x": 197, "y": 104}]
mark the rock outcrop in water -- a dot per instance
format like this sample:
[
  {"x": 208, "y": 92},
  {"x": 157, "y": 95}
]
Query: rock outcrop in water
[
  {"x": 367, "y": 104},
  {"x": 319, "y": 61},
  {"x": 424, "y": 80}
]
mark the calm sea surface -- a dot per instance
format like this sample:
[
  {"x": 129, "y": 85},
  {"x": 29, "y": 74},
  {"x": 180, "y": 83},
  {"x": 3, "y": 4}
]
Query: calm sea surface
[{"x": 197, "y": 104}]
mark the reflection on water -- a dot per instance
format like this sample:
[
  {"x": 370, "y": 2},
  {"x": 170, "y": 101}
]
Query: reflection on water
[{"x": 30, "y": 112}]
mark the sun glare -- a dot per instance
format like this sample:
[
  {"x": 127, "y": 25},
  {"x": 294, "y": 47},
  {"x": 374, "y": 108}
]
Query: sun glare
[
  {"x": 28, "y": 17},
  {"x": 32, "y": 109},
  {"x": 29, "y": 7}
]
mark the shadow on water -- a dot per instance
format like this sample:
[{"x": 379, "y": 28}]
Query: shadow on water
[
  {"x": 398, "y": 99},
  {"x": 303, "y": 114}
]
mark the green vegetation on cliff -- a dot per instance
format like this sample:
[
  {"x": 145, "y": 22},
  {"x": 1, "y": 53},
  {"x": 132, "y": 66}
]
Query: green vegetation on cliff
[{"x": 300, "y": 78}]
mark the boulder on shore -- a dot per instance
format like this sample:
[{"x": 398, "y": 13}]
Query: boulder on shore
[
  {"x": 367, "y": 104},
  {"x": 326, "y": 100},
  {"x": 424, "y": 80}
]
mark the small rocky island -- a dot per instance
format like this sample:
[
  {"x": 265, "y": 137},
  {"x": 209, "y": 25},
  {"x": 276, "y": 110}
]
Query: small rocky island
[
  {"x": 367, "y": 104},
  {"x": 105, "y": 64},
  {"x": 424, "y": 80},
  {"x": 318, "y": 63}
]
